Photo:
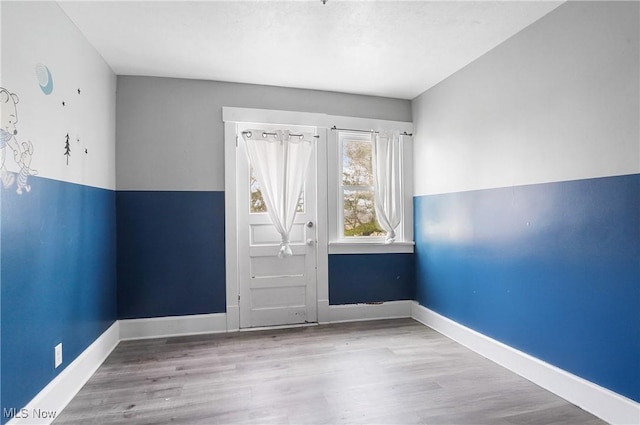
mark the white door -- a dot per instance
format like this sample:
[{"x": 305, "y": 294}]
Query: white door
[{"x": 275, "y": 291}]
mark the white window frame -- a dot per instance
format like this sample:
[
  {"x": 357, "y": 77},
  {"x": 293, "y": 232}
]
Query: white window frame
[
  {"x": 351, "y": 136},
  {"x": 339, "y": 244}
]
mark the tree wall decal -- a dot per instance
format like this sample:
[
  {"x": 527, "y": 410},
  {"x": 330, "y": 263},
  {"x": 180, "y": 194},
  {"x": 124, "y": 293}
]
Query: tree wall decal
[{"x": 67, "y": 148}]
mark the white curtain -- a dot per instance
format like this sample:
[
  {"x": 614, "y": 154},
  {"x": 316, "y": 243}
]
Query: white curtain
[
  {"x": 280, "y": 163},
  {"x": 387, "y": 172}
]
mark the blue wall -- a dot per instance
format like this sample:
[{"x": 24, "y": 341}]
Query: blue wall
[
  {"x": 550, "y": 269},
  {"x": 58, "y": 280},
  {"x": 170, "y": 253},
  {"x": 365, "y": 278},
  {"x": 171, "y": 259}
]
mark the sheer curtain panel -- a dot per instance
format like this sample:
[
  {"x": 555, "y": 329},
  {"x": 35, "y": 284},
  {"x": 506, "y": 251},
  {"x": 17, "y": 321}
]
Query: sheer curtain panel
[
  {"x": 387, "y": 171},
  {"x": 280, "y": 160}
]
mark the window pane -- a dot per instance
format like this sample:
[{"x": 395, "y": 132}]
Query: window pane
[
  {"x": 257, "y": 204},
  {"x": 357, "y": 169},
  {"x": 360, "y": 214}
]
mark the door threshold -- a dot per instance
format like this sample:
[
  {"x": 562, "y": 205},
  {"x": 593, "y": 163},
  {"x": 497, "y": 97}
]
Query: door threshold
[{"x": 269, "y": 328}]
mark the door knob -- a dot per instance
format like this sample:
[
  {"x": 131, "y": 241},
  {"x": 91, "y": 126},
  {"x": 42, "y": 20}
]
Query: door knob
[
  {"x": 310, "y": 224},
  {"x": 310, "y": 242}
]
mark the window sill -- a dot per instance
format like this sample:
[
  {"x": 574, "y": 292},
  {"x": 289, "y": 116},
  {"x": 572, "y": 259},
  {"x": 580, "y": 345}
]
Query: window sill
[{"x": 371, "y": 248}]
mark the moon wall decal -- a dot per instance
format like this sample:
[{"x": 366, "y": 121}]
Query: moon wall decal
[{"x": 45, "y": 80}]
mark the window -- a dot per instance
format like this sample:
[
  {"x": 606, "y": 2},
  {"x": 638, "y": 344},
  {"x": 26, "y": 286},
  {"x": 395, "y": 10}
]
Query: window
[
  {"x": 353, "y": 223},
  {"x": 357, "y": 198}
]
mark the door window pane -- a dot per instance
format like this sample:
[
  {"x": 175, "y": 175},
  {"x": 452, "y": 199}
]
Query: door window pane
[
  {"x": 257, "y": 201},
  {"x": 257, "y": 204}
]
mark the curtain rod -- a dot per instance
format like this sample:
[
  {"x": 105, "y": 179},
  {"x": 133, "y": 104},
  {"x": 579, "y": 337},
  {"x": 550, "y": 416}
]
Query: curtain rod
[
  {"x": 265, "y": 133},
  {"x": 404, "y": 133}
]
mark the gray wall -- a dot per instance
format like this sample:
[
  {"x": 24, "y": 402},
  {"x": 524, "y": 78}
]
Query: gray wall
[
  {"x": 169, "y": 132},
  {"x": 558, "y": 101}
]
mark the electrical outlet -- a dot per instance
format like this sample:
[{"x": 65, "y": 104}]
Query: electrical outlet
[{"x": 57, "y": 352}]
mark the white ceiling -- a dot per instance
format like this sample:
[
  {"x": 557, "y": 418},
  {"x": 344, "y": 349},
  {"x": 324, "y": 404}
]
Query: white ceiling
[{"x": 394, "y": 48}]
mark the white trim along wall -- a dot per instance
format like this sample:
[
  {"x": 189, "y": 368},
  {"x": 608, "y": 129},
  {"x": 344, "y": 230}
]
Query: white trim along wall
[
  {"x": 593, "y": 398},
  {"x": 53, "y": 398}
]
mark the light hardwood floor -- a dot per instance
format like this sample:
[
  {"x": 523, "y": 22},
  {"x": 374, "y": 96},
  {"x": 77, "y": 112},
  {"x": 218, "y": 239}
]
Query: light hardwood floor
[{"x": 382, "y": 372}]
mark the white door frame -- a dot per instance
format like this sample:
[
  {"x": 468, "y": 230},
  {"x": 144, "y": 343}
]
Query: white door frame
[{"x": 231, "y": 117}]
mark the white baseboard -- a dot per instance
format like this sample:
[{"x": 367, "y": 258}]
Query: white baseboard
[
  {"x": 323, "y": 311},
  {"x": 159, "y": 327},
  {"x": 601, "y": 402},
  {"x": 359, "y": 312},
  {"x": 61, "y": 390},
  {"x": 233, "y": 318}
]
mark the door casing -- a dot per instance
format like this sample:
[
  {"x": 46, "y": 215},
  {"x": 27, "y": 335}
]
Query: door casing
[
  {"x": 232, "y": 118},
  {"x": 275, "y": 291}
]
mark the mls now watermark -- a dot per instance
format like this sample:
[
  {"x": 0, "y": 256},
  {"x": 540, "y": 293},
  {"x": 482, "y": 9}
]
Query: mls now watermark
[{"x": 14, "y": 413}]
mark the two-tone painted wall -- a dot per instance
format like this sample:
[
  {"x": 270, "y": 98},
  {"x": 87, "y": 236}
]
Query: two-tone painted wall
[
  {"x": 170, "y": 200},
  {"x": 77, "y": 254},
  {"x": 57, "y": 223},
  {"x": 527, "y": 206},
  {"x": 526, "y": 209}
]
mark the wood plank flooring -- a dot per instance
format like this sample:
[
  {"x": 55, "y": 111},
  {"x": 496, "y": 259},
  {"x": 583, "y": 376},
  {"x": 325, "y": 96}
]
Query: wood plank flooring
[{"x": 382, "y": 372}]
